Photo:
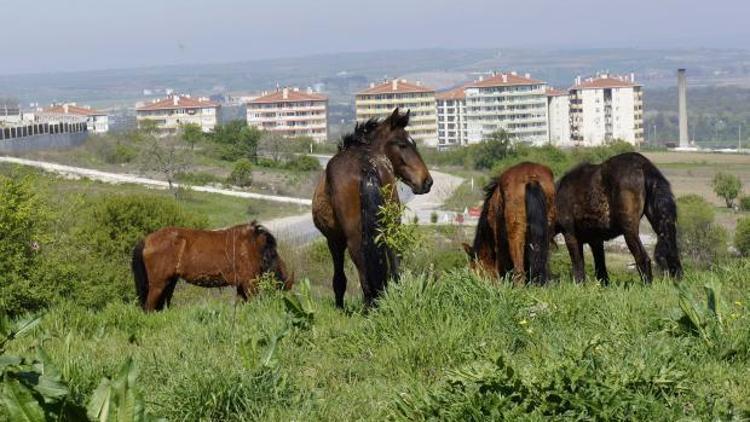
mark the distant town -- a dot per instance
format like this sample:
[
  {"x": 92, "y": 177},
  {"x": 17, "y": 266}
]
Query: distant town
[{"x": 593, "y": 111}]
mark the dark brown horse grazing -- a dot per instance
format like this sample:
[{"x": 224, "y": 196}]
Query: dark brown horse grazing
[
  {"x": 348, "y": 197},
  {"x": 600, "y": 202},
  {"x": 235, "y": 256},
  {"x": 516, "y": 224}
]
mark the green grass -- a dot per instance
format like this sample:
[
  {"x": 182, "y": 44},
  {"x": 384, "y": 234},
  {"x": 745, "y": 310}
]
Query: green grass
[{"x": 429, "y": 350}]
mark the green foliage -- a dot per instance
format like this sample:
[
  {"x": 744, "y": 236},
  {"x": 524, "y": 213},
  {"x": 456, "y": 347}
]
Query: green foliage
[
  {"x": 197, "y": 178},
  {"x": 742, "y": 236},
  {"x": 118, "y": 399},
  {"x": 303, "y": 163},
  {"x": 495, "y": 147},
  {"x": 192, "y": 134},
  {"x": 700, "y": 239},
  {"x": 242, "y": 173},
  {"x": 236, "y": 140},
  {"x": 401, "y": 238},
  {"x": 727, "y": 186},
  {"x": 745, "y": 203},
  {"x": 23, "y": 223}
]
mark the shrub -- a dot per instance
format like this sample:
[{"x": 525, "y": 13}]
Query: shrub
[
  {"x": 745, "y": 203},
  {"x": 242, "y": 173},
  {"x": 23, "y": 217},
  {"x": 699, "y": 238},
  {"x": 727, "y": 186},
  {"x": 492, "y": 149},
  {"x": 304, "y": 163},
  {"x": 115, "y": 224},
  {"x": 742, "y": 237}
]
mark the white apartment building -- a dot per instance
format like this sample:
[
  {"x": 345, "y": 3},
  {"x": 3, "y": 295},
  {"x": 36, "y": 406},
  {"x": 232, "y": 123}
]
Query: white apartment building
[
  {"x": 509, "y": 101},
  {"x": 290, "y": 113},
  {"x": 605, "y": 108},
  {"x": 176, "y": 110},
  {"x": 558, "y": 117},
  {"x": 379, "y": 100},
  {"x": 96, "y": 121},
  {"x": 451, "y": 116}
]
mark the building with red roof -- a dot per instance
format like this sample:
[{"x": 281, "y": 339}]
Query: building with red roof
[
  {"x": 379, "y": 100},
  {"x": 558, "y": 117},
  {"x": 96, "y": 121},
  {"x": 176, "y": 110},
  {"x": 605, "y": 108},
  {"x": 291, "y": 113}
]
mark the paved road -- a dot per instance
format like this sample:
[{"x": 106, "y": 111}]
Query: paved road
[{"x": 296, "y": 229}]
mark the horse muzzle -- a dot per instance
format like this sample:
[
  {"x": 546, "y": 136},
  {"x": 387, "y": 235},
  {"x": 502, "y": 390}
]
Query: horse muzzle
[{"x": 424, "y": 188}]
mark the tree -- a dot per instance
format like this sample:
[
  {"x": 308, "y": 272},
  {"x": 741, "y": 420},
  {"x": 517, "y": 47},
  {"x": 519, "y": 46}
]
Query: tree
[
  {"x": 496, "y": 146},
  {"x": 727, "y": 186},
  {"x": 191, "y": 134},
  {"x": 237, "y": 140},
  {"x": 165, "y": 155},
  {"x": 274, "y": 145},
  {"x": 699, "y": 237},
  {"x": 242, "y": 173}
]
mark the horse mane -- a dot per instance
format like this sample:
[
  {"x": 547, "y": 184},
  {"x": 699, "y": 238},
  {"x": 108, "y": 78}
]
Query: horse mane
[
  {"x": 361, "y": 134},
  {"x": 269, "y": 255}
]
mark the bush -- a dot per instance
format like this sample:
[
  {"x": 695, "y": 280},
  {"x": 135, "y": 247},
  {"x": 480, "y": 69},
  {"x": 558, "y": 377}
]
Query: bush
[
  {"x": 496, "y": 147},
  {"x": 304, "y": 163},
  {"x": 242, "y": 173},
  {"x": 23, "y": 218},
  {"x": 742, "y": 237},
  {"x": 699, "y": 238},
  {"x": 727, "y": 186},
  {"x": 115, "y": 224},
  {"x": 745, "y": 203}
]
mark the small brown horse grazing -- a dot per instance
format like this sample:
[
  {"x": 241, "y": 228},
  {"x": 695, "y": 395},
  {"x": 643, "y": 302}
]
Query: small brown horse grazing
[
  {"x": 235, "y": 256},
  {"x": 600, "y": 202},
  {"x": 348, "y": 197},
  {"x": 516, "y": 224}
]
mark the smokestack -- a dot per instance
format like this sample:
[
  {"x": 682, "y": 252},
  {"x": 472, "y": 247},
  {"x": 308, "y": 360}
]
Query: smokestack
[{"x": 682, "y": 105}]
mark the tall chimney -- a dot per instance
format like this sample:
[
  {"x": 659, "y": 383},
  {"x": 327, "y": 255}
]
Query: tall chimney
[
  {"x": 394, "y": 85},
  {"x": 682, "y": 105}
]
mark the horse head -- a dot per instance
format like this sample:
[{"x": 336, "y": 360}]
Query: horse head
[
  {"x": 393, "y": 140},
  {"x": 271, "y": 261}
]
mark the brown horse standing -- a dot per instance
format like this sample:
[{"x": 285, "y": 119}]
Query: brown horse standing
[
  {"x": 600, "y": 202},
  {"x": 235, "y": 256},
  {"x": 348, "y": 197},
  {"x": 516, "y": 223}
]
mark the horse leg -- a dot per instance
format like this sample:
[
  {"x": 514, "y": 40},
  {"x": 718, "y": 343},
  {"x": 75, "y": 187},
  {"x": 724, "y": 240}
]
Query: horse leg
[
  {"x": 368, "y": 293},
  {"x": 339, "y": 276},
  {"x": 575, "y": 249},
  {"x": 639, "y": 253},
  {"x": 597, "y": 249},
  {"x": 155, "y": 299},
  {"x": 516, "y": 229},
  {"x": 168, "y": 292}
]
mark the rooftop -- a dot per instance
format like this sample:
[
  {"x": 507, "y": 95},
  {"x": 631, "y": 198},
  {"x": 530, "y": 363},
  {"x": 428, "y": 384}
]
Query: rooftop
[
  {"x": 504, "y": 79},
  {"x": 456, "y": 93},
  {"x": 605, "y": 81},
  {"x": 178, "y": 101},
  {"x": 72, "y": 108},
  {"x": 553, "y": 92},
  {"x": 288, "y": 95},
  {"x": 400, "y": 86}
]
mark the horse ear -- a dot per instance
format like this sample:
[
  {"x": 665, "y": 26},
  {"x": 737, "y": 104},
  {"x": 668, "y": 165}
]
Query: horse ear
[
  {"x": 469, "y": 250},
  {"x": 399, "y": 121}
]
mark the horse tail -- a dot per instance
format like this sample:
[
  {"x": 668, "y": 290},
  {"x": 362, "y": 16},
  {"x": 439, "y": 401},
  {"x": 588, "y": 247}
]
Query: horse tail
[
  {"x": 537, "y": 233},
  {"x": 139, "y": 273},
  {"x": 375, "y": 255},
  {"x": 661, "y": 211}
]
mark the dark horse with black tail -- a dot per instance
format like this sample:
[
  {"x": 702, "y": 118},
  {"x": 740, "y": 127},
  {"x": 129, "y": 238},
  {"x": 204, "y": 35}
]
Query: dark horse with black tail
[
  {"x": 600, "y": 202},
  {"x": 349, "y": 196},
  {"x": 516, "y": 225},
  {"x": 236, "y": 256}
]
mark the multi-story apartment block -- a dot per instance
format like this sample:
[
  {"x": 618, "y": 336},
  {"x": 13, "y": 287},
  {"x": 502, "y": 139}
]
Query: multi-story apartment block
[
  {"x": 558, "y": 117},
  {"x": 605, "y": 108},
  {"x": 290, "y": 113},
  {"x": 451, "y": 115},
  {"x": 379, "y": 100},
  {"x": 515, "y": 103},
  {"x": 176, "y": 110},
  {"x": 96, "y": 121}
]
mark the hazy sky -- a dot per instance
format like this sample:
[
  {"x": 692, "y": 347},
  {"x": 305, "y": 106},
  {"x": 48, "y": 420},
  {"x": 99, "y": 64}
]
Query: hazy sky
[{"x": 55, "y": 35}]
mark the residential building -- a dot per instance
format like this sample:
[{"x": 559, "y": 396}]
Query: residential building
[
  {"x": 96, "y": 121},
  {"x": 451, "y": 118},
  {"x": 10, "y": 113},
  {"x": 379, "y": 100},
  {"x": 605, "y": 108},
  {"x": 176, "y": 110},
  {"x": 290, "y": 113},
  {"x": 508, "y": 101},
  {"x": 558, "y": 117}
]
